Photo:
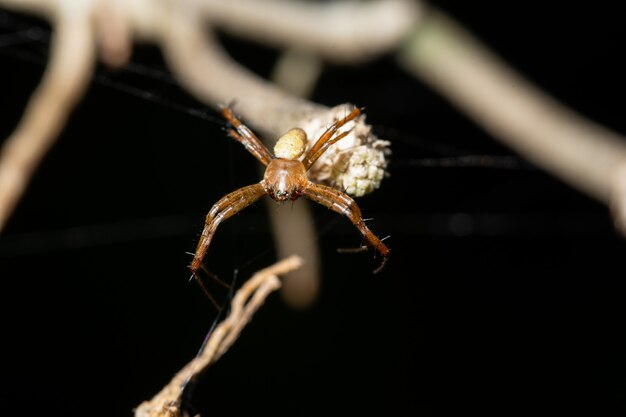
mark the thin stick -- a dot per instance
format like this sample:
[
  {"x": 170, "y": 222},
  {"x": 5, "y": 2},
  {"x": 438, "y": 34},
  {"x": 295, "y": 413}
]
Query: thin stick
[
  {"x": 584, "y": 154},
  {"x": 204, "y": 68},
  {"x": 64, "y": 82},
  {"x": 246, "y": 302},
  {"x": 340, "y": 31}
]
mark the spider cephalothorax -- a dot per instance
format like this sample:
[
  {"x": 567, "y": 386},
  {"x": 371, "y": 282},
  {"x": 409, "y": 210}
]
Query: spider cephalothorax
[{"x": 286, "y": 179}]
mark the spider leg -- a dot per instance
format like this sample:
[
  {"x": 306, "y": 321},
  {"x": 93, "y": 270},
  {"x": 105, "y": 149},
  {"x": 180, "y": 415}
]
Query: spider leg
[
  {"x": 214, "y": 277},
  {"x": 228, "y": 206},
  {"x": 358, "y": 249},
  {"x": 327, "y": 139},
  {"x": 343, "y": 204},
  {"x": 206, "y": 291},
  {"x": 242, "y": 134}
]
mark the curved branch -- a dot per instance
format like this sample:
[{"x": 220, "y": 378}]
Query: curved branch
[
  {"x": 41, "y": 7},
  {"x": 203, "y": 67},
  {"x": 292, "y": 226},
  {"x": 344, "y": 31},
  {"x": 582, "y": 153},
  {"x": 112, "y": 23},
  {"x": 246, "y": 302},
  {"x": 63, "y": 84}
]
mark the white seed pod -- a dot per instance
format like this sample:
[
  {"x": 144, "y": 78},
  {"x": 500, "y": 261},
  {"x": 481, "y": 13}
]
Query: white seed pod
[
  {"x": 359, "y": 171},
  {"x": 355, "y": 164},
  {"x": 291, "y": 145}
]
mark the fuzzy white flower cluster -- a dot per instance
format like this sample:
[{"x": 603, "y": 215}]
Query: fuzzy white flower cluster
[
  {"x": 357, "y": 163},
  {"x": 360, "y": 170}
]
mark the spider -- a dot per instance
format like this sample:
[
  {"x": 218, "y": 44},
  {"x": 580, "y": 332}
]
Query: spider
[{"x": 286, "y": 179}]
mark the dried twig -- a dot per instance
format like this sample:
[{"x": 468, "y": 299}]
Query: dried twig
[
  {"x": 245, "y": 303},
  {"x": 341, "y": 31},
  {"x": 63, "y": 84},
  {"x": 203, "y": 67},
  {"x": 79, "y": 29},
  {"x": 586, "y": 155},
  {"x": 300, "y": 287}
]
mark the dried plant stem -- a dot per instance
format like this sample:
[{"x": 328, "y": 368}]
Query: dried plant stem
[
  {"x": 584, "y": 154},
  {"x": 291, "y": 222},
  {"x": 203, "y": 67},
  {"x": 246, "y": 302},
  {"x": 297, "y": 71},
  {"x": 63, "y": 84},
  {"x": 340, "y": 31}
]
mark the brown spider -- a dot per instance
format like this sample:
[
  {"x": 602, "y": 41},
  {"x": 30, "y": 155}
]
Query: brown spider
[{"x": 285, "y": 179}]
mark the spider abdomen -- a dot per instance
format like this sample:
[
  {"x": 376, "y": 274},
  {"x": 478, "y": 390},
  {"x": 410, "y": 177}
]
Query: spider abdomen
[{"x": 285, "y": 179}]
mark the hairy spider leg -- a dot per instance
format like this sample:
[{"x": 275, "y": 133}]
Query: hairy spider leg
[
  {"x": 242, "y": 134},
  {"x": 206, "y": 291},
  {"x": 327, "y": 139},
  {"x": 203, "y": 287},
  {"x": 327, "y": 144},
  {"x": 228, "y": 206},
  {"x": 215, "y": 277},
  {"x": 343, "y": 204}
]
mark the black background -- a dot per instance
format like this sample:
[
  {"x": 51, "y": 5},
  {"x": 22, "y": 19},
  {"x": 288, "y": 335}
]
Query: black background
[{"x": 523, "y": 314}]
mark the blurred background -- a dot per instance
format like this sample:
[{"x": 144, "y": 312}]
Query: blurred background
[{"x": 504, "y": 292}]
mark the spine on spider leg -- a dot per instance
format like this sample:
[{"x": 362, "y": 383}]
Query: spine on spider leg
[
  {"x": 370, "y": 237},
  {"x": 376, "y": 243},
  {"x": 203, "y": 244},
  {"x": 345, "y": 205}
]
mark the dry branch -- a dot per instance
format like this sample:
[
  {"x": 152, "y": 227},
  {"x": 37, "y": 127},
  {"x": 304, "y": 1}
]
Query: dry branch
[
  {"x": 246, "y": 302},
  {"x": 584, "y": 154},
  {"x": 340, "y": 31},
  {"x": 204, "y": 68},
  {"x": 63, "y": 84}
]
